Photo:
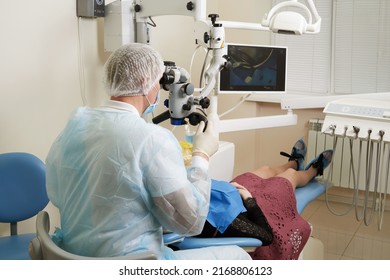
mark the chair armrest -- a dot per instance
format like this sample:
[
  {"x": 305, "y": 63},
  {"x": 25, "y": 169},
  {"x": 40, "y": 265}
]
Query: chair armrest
[
  {"x": 247, "y": 243},
  {"x": 172, "y": 238}
]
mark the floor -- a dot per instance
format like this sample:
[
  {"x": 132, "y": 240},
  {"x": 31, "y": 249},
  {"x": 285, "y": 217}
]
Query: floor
[{"x": 345, "y": 238}]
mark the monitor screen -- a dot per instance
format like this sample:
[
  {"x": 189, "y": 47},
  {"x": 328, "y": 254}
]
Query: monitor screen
[{"x": 255, "y": 69}]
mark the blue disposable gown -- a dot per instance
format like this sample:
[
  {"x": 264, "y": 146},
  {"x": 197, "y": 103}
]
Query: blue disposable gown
[{"x": 118, "y": 181}]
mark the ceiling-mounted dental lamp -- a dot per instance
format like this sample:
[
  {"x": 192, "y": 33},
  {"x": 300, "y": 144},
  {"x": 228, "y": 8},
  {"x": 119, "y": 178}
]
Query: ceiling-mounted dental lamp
[
  {"x": 293, "y": 22},
  {"x": 304, "y": 19}
]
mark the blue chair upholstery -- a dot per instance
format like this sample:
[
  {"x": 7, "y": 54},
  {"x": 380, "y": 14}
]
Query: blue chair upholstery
[
  {"x": 249, "y": 244},
  {"x": 304, "y": 196},
  {"x": 22, "y": 196},
  {"x": 308, "y": 193}
]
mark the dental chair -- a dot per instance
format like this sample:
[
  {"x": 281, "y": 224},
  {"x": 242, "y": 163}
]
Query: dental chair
[
  {"x": 42, "y": 247},
  {"x": 225, "y": 157},
  {"x": 22, "y": 196},
  {"x": 304, "y": 196}
]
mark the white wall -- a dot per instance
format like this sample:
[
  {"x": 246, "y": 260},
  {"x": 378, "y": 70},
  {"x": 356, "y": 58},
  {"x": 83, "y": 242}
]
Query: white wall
[{"x": 39, "y": 76}]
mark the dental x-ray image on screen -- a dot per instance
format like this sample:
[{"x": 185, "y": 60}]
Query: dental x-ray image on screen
[{"x": 255, "y": 69}]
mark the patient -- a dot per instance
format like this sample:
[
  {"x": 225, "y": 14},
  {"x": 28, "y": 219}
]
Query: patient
[{"x": 268, "y": 210}]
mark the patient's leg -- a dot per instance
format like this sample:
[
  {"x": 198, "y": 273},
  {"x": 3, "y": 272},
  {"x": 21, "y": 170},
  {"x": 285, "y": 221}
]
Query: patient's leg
[
  {"x": 266, "y": 171},
  {"x": 299, "y": 178},
  {"x": 296, "y": 162}
]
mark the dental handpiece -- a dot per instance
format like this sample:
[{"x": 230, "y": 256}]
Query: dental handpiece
[
  {"x": 356, "y": 129},
  {"x": 381, "y": 134},
  {"x": 332, "y": 128}
]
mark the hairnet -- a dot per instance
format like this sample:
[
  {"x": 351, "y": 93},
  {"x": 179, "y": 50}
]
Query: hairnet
[{"x": 132, "y": 70}]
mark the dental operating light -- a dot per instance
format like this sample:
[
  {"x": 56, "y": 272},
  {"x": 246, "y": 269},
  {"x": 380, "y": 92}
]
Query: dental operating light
[
  {"x": 303, "y": 20},
  {"x": 278, "y": 20}
]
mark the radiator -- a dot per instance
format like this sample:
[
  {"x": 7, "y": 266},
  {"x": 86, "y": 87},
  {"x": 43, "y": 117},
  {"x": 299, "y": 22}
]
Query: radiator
[{"x": 370, "y": 160}]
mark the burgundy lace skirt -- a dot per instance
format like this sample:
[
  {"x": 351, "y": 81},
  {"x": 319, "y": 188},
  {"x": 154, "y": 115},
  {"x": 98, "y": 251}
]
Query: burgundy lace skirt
[{"x": 276, "y": 198}]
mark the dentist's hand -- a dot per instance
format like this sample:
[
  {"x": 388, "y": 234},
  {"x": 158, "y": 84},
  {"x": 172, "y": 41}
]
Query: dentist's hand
[{"x": 206, "y": 142}]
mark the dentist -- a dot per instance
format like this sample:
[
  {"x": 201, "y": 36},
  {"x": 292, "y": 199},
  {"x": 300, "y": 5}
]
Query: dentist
[{"x": 118, "y": 180}]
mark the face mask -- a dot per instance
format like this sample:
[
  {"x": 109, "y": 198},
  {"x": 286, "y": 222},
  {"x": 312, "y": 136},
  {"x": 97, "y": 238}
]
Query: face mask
[{"x": 153, "y": 106}]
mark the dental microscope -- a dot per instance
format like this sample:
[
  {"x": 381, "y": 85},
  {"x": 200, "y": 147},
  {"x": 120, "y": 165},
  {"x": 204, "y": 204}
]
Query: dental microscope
[{"x": 182, "y": 104}]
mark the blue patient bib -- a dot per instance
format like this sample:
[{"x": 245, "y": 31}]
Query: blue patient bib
[{"x": 225, "y": 205}]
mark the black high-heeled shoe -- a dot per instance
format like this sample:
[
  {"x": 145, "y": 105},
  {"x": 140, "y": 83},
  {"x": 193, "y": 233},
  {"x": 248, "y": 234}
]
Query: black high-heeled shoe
[
  {"x": 298, "y": 153},
  {"x": 321, "y": 162}
]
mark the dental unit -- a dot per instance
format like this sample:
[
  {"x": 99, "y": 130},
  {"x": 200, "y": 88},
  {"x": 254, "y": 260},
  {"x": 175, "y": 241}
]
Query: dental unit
[{"x": 365, "y": 126}]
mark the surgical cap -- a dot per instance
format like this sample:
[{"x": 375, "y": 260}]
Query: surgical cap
[{"x": 133, "y": 70}]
